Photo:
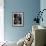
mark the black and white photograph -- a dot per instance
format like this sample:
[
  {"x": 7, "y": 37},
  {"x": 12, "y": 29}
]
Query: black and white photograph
[{"x": 18, "y": 18}]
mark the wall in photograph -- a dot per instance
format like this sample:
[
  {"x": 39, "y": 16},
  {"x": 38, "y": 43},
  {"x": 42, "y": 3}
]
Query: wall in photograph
[
  {"x": 29, "y": 7},
  {"x": 43, "y": 6}
]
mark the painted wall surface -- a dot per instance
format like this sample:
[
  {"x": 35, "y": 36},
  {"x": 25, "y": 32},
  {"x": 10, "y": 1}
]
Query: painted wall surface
[
  {"x": 43, "y": 6},
  {"x": 29, "y": 7}
]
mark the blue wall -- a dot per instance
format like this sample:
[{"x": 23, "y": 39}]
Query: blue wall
[
  {"x": 29, "y": 7},
  {"x": 43, "y": 6}
]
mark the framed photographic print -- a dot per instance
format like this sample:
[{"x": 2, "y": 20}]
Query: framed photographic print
[{"x": 18, "y": 18}]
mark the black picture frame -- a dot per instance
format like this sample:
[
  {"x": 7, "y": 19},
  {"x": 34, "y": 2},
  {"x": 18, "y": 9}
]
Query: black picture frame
[{"x": 18, "y": 19}]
